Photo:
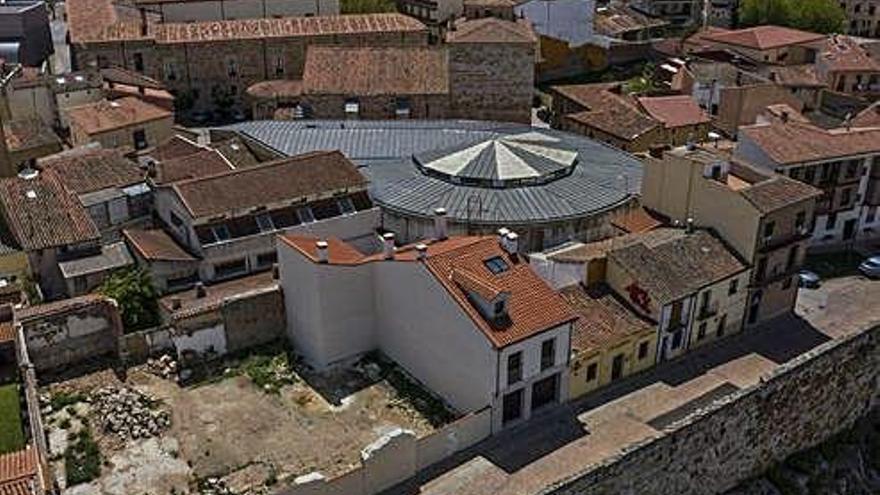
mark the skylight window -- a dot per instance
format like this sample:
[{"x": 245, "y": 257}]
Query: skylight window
[
  {"x": 496, "y": 265},
  {"x": 221, "y": 233},
  {"x": 305, "y": 215},
  {"x": 264, "y": 221},
  {"x": 345, "y": 205}
]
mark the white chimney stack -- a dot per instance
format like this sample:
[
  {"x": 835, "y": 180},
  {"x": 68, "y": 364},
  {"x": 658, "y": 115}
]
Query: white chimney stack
[
  {"x": 512, "y": 244},
  {"x": 440, "y": 223},
  {"x": 502, "y": 235},
  {"x": 388, "y": 245},
  {"x": 322, "y": 251},
  {"x": 422, "y": 250}
]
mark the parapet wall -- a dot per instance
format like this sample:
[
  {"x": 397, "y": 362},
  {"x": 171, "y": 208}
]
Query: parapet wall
[{"x": 800, "y": 405}]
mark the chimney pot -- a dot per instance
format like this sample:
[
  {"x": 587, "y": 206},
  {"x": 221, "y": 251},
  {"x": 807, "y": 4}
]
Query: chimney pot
[
  {"x": 512, "y": 244},
  {"x": 440, "y": 223},
  {"x": 690, "y": 226},
  {"x": 200, "y": 290},
  {"x": 322, "y": 251},
  {"x": 502, "y": 235},
  {"x": 388, "y": 245},
  {"x": 422, "y": 250}
]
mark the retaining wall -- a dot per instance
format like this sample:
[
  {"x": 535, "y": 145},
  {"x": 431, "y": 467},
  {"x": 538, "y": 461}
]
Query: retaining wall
[{"x": 799, "y": 406}]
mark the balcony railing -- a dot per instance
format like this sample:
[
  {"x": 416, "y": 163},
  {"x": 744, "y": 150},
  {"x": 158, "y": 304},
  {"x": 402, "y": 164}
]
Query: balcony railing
[
  {"x": 774, "y": 242},
  {"x": 707, "y": 311}
]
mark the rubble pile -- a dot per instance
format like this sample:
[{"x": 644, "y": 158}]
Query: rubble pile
[
  {"x": 164, "y": 367},
  {"x": 214, "y": 486},
  {"x": 128, "y": 413}
]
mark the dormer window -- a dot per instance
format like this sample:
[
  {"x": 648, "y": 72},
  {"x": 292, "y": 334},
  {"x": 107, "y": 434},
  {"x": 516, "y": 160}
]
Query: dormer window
[
  {"x": 500, "y": 307},
  {"x": 496, "y": 265},
  {"x": 221, "y": 233}
]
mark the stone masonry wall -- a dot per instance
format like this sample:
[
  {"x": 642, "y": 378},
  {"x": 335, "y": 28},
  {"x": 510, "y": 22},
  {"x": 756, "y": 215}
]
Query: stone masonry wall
[{"x": 802, "y": 404}]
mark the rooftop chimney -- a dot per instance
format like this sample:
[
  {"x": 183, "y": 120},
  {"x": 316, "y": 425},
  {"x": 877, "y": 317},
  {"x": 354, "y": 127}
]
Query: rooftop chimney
[
  {"x": 321, "y": 247},
  {"x": 200, "y": 290},
  {"x": 690, "y": 226},
  {"x": 388, "y": 245},
  {"x": 502, "y": 235},
  {"x": 422, "y": 250},
  {"x": 440, "y": 223},
  {"x": 512, "y": 244}
]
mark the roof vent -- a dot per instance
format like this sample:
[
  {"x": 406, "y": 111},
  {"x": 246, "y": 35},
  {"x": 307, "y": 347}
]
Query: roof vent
[
  {"x": 321, "y": 246},
  {"x": 440, "y": 223},
  {"x": 388, "y": 245},
  {"x": 235, "y": 146},
  {"x": 28, "y": 173},
  {"x": 200, "y": 290},
  {"x": 31, "y": 194},
  {"x": 422, "y": 250},
  {"x": 512, "y": 244},
  {"x": 115, "y": 104},
  {"x": 79, "y": 78}
]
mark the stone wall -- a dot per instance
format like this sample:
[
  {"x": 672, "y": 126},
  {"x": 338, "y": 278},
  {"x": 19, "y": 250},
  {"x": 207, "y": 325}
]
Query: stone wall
[
  {"x": 800, "y": 405},
  {"x": 71, "y": 331}
]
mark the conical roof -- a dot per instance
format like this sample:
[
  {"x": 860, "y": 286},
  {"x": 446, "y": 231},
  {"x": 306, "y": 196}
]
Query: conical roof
[{"x": 503, "y": 161}]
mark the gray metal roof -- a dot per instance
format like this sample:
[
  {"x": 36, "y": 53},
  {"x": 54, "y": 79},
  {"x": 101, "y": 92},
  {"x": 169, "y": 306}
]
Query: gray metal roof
[
  {"x": 602, "y": 177},
  {"x": 112, "y": 256}
]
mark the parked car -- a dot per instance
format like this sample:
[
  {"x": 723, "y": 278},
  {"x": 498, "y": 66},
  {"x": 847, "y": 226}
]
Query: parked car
[
  {"x": 871, "y": 267},
  {"x": 808, "y": 279}
]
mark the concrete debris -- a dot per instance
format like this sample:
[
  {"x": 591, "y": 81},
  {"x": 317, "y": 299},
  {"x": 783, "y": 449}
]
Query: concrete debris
[
  {"x": 164, "y": 367},
  {"x": 128, "y": 413}
]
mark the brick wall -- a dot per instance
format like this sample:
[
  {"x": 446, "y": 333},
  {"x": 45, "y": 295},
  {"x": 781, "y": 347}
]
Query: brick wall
[{"x": 802, "y": 404}]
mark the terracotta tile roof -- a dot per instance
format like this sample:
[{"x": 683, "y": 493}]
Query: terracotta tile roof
[
  {"x": 701, "y": 40},
  {"x": 796, "y": 142},
  {"x": 869, "y": 117},
  {"x": 674, "y": 111},
  {"x": 472, "y": 282},
  {"x": 7, "y": 333},
  {"x": 342, "y": 253},
  {"x": 845, "y": 54},
  {"x": 236, "y": 152},
  {"x": 287, "y": 27},
  {"x": 215, "y": 295},
  {"x": 315, "y": 173},
  {"x": 615, "y": 20},
  {"x": 677, "y": 267},
  {"x": 18, "y": 471},
  {"x": 40, "y": 213},
  {"x": 605, "y": 320},
  {"x": 532, "y": 305},
  {"x": 119, "y": 75},
  {"x": 104, "y": 20},
  {"x": 763, "y": 37},
  {"x": 93, "y": 170},
  {"x": 491, "y": 30},
  {"x": 26, "y": 134},
  {"x": 606, "y": 110},
  {"x": 582, "y": 252},
  {"x": 61, "y": 306},
  {"x": 201, "y": 164},
  {"x": 279, "y": 88},
  {"x": 106, "y": 116},
  {"x": 360, "y": 71},
  {"x": 636, "y": 220},
  {"x": 156, "y": 245},
  {"x": 174, "y": 147},
  {"x": 778, "y": 192}
]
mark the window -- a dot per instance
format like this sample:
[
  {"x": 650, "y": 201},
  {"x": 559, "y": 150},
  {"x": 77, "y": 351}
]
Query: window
[
  {"x": 140, "y": 139},
  {"x": 264, "y": 222},
  {"x": 305, "y": 215},
  {"x": 345, "y": 205},
  {"x": 733, "y": 287},
  {"x": 701, "y": 332},
  {"x": 592, "y": 371},
  {"x": 852, "y": 168},
  {"x": 352, "y": 108},
  {"x": 810, "y": 175},
  {"x": 643, "y": 350},
  {"x": 548, "y": 354},
  {"x": 230, "y": 268},
  {"x": 514, "y": 368},
  {"x": 402, "y": 108},
  {"x": 175, "y": 220},
  {"x": 800, "y": 221},
  {"x": 267, "y": 259},
  {"x": 138, "y": 62},
  {"x": 761, "y": 270},
  {"x": 722, "y": 325},
  {"x": 80, "y": 285},
  {"x": 792, "y": 258},
  {"x": 231, "y": 67},
  {"x": 871, "y": 215},
  {"x": 170, "y": 71},
  {"x": 768, "y": 230},
  {"x": 787, "y": 283},
  {"x": 279, "y": 66},
  {"x": 220, "y": 232},
  {"x": 499, "y": 308},
  {"x": 496, "y": 265},
  {"x": 831, "y": 221}
]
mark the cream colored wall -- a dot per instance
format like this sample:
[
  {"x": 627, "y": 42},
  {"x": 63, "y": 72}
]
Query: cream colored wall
[
  {"x": 733, "y": 306},
  {"x": 629, "y": 347},
  {"x": 157, "y": 131},
  {"x": 618, "y": 278}
]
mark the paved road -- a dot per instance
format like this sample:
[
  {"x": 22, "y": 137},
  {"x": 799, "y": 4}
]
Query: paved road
[{"x": 559, "y": 444}]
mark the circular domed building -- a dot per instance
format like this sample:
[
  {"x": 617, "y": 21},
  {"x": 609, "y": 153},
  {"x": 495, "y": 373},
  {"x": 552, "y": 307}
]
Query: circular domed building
[{"x": 548, "y": 186}]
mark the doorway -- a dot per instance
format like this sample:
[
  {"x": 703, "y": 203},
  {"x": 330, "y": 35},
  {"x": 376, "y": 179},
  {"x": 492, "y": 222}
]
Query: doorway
[
  {"x": 545, "y": 392},
  {"x": 849, "y": 229},
  {"x": 617, "y": 367}
]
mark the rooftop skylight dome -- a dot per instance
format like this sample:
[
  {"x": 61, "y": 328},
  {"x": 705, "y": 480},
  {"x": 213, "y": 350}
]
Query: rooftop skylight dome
[{"x": 516, "y": 160}]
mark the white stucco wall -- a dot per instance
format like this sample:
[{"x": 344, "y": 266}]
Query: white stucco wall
[
  {"x": 424, "y": 330},
  {"x": 201, "y": 341}
]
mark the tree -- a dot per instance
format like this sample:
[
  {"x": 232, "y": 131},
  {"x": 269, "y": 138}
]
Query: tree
[
  {"x": 820, "y": 16},
  {"x": 133, "y": 291}
]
